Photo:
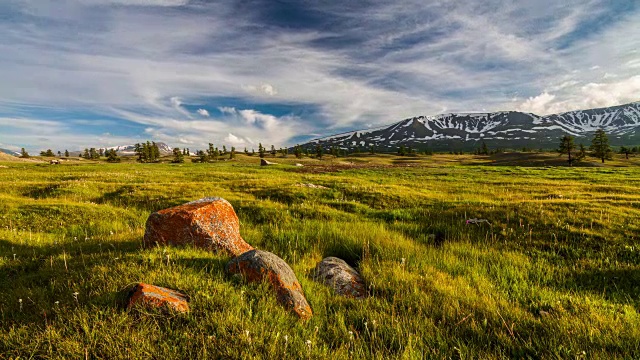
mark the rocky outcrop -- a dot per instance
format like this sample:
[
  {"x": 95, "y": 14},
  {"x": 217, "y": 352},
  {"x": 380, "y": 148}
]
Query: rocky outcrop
[
  {"x": 158, "y": 297},
  {"x": 209, "y": 223},
  {"x": 258, "y": 266},
  {"x": 341, "y": 277}
]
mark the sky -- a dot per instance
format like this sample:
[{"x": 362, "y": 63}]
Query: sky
[{"x": 93, "y": 73}]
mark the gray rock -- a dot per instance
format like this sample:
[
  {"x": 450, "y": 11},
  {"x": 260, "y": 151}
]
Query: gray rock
[
  {"x": 341, "y": 277},
  {"x": 258, "y": 266}
]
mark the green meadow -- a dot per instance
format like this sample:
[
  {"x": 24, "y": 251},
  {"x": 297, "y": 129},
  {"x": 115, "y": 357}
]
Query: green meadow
[{"x": 555, "y": 273}]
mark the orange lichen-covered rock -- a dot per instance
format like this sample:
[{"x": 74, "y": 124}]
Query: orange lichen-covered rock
[
  {"x": 155, "y": 296},
  {"x": 209, "y": 223},
  {"x": 258, "y": 265},
  {"x": 344, "y": 279}
]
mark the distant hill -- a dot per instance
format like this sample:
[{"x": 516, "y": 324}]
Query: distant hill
[
  {"x": 10, "y": 152},
  {"x": 505, "y": 129}
]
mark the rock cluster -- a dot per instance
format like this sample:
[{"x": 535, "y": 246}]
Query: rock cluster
[{"x": 212, "y": 224}]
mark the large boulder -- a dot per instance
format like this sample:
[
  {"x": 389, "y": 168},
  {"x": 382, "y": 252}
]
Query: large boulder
[
  {"x": 258, "y": 266},
  {"x": 341, "y": 277},
  {"x": 209, "y": 223},
  {"x": 158, "y": 297},
  {"x": 264, "y": 162}
]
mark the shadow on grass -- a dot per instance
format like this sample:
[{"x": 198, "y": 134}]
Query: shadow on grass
[
  {"x": 45, "y": 278},
  {"x": 133, "y": 196},
  {"x": 618, "y": 285}
]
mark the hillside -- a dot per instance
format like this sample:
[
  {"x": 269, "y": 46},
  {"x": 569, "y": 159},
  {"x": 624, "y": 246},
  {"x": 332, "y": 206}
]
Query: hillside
[{"x": 506, "y": 129}]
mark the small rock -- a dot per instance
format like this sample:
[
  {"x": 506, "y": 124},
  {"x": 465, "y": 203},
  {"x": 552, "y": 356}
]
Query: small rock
[
  {"x": 344, "y": 279},
  {"x": 54, "y": 162},
  {"x": 299, "y": 165},
  {"x": 3, "y": 167},
  {"x": 209, "y": 223},
  {"x": 258, "y": 265},
  {"x": 159, "y": 297},
  {"x": 264, "y": 162}
]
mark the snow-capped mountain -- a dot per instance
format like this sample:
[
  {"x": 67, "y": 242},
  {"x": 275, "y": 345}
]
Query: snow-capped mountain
[
  {"x": 506, "y": 129},
  {"x": 10, "y": 152},
  {"x": 131, "y": 149}
]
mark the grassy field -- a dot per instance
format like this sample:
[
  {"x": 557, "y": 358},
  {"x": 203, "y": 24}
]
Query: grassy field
[{"x": 555, "y": 274}]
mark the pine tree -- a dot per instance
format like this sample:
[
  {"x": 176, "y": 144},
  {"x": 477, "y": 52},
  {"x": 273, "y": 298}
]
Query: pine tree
[
  {"x": 178, "y": 156},
  {"x": 224, "y": 150},
  {"x": 567, "y": 147},
  {"x": 626, "y": 151},
  {"x": 246, "y": 152},
  {"x": 273, "y": 150},
  {"x": 112, "y": 156},
  {"x": 66, "y": 153},
  {"x": 24, "y": 154},
  {"x": 232, "y": 154},
  {"x": 600, "y": 145},
  {"x": 485, "y": 149},
  {"x": 101, "y": 152},
  {"x": 139, "y": 152},
  {"x": 155, "y": 152},
  {"x": 582, "y": 153},
  {"x": 298, "y": 151},
  {"x": 372, "y": 150},
  {"x": 59, "y": 153},
  {"x": 202, "y": 156},
  {"x": 319, "y": 151},
  {"x": 402, "y": 151},
  {"x": 261, "y": 150},
  {"x": 86, "y": 154}
]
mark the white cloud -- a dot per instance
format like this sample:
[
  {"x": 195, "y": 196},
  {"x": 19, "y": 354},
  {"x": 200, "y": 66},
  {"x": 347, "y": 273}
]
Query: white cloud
[
  {"x": 203, "y": 112},
  {"x": 481, "y": 54},
  {"x": 227, "y": 110}
]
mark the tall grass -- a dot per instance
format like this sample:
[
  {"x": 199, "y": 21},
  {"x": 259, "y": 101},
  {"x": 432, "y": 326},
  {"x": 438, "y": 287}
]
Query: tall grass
[{"x": 555, "y": 274}]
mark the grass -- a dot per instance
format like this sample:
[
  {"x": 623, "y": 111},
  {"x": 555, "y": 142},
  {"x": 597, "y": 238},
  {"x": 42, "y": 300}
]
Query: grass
[{"x": 555, "y": 275}]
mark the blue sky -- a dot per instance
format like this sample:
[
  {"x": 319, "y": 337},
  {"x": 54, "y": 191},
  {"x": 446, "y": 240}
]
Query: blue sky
[{"x": 78, "y": 73}]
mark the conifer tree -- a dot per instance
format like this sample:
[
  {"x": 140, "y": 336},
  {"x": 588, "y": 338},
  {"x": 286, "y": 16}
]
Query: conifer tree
[
  {"x": 24, "y": 154},
  {"x": 202, "y": 156},
  {"x": 59, "y": 153},
  {"x": 298, "y": 151},
  {"x": 372, "y": 150},
  {"x": 66, "y": 153},
  {"x": 101, "y": 152},
  {"x": 319, "y": 151},
  {"x": 261, "y": 150},
  {"x": 224, "y": 150},
  {"x": 402, "y": 151},
  {"x": 273, "y": 150},
  {"x": 246, "y": 152},
  {"x": 112, "y": 156},
  {"x": 567, "y": 147},
  {"x": 86, "y": 154},
  {"x": 626, "y": 151},
  {"x": 600, "y": 145},
  {"x": 232, "y": 154},
  {"x": 582, "y": 153},
  {"x": 485, "y": 149},
  {"x": 178, "y": 156}
]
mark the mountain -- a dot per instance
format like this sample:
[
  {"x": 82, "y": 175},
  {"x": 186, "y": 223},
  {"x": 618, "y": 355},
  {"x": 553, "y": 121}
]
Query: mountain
[
  {"x": 10, "y": 152},
  {"x": 131, "y": 149},
  {"x": 505, "y": 129},
  {"x": 128, "y": 150}
]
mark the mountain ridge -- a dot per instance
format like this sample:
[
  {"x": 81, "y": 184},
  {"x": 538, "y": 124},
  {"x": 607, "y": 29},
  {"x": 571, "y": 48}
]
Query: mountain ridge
[{"x": 504, "y": 129}]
